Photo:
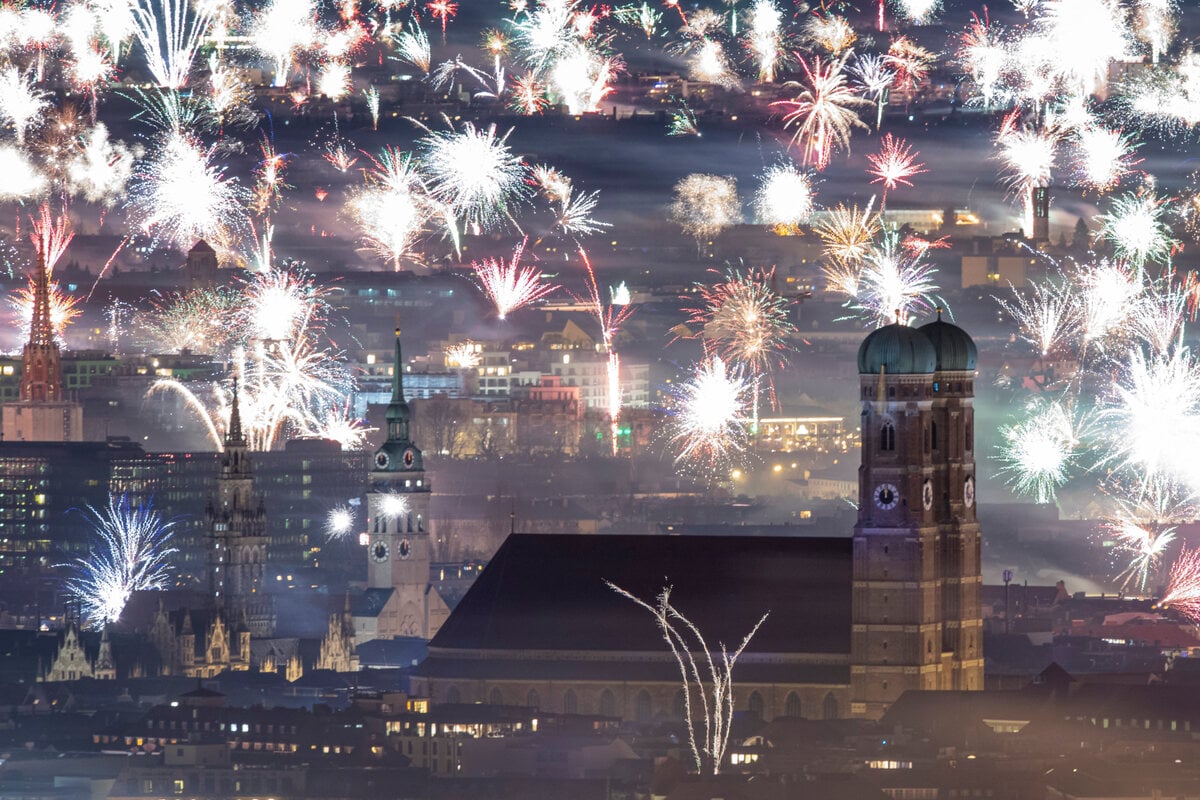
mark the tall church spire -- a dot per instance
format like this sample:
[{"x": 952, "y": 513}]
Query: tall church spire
[
  {"x": 398, "y": 413},
  {"x": 41, "y": 371},
  {"x": 41, "y": 332},
  {"x": 234, "y": 435}
]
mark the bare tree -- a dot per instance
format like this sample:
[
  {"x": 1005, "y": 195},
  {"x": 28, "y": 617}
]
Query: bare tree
[{"x": 694, "y": 658}]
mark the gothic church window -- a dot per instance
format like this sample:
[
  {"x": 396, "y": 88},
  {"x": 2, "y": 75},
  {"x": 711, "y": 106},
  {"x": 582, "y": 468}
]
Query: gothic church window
[
  {"x": 830, "y": 706},
  {"x": 533, "y": 699},
  {"x": 933, "y": 434},
  {"x": 608, "y": 704},
  {"x": 570, "y": 702},
  {"x": 792, "y": 706},
  {"x": 755, "y": 705},
  {"x": 643, "y": 708},
  {"x": 495, "y": 698},
  {"x": 887, "y": 437}
]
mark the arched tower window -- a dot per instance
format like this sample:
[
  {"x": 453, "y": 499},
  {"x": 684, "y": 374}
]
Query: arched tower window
[
  {"x": 793, "y": 706},
  {"x": 830, "y": 706},
  {"x": 933, "y": 433},
  {"x": 570, "y": 702},
  {"x": 608, "y": 704},
  {"x": 643, "y": 709},
  {"x": 970, "y": 435},
  {"x": 755, "y": 705},
  {"x": 887, "y": 437}
]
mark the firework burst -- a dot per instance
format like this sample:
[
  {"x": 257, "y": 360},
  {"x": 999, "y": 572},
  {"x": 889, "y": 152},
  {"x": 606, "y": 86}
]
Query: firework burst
[
  {"x": 129, "y": 552},
  {"x": 785, "y": 197},
  {"x": 474, "y": 173},
  {"x": 825, "y": 113},
  {"x": 509, "y": 285},
  {"x": 710, "y": 419},
  {"x": 705, "y": 205},
  {"x": 1039, "y": 451},
  {"x": 894, "y": 164},
  {"x": 181, "y": 195}
]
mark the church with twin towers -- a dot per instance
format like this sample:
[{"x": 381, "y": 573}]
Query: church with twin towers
[{"x": 855, "y": 618}]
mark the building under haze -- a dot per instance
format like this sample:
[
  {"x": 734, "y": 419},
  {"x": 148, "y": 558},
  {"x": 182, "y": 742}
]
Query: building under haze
[{"x": 855, "y": 618}]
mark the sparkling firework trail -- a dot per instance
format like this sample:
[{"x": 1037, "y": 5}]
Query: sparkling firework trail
[
  {"x": 825, "y": 113},
  {"x": 129, "y": 552},
  {"x": 1103, "y": 157},
  {"x": 748, "y": 321},
  {"x": 831, "y": 33},
  {"x": 509, "y": 285},
  {"x": 1108, "y": 292},
  {"x": 99, "y": 168},
  {"x": 764, "y": 38},
  {"x": 22, "y": 105},
  {"x": 1183, "y": 587},
  {"x": 1144, "y": 529},
  {"x": 201, "y": 321},
  {"x": 170, "y": 33},
  {"x": 412, "y": 47},
  {"x": 1047, "y": 317}
]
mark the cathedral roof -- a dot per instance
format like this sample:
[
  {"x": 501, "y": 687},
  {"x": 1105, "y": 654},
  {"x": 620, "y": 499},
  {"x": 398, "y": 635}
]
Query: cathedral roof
[
  {"x": 955, "y": 349},
  {"x": 897, "y": 350},
  {"x": 370, "y": 603},
  {"x": 549, "y": 593}
]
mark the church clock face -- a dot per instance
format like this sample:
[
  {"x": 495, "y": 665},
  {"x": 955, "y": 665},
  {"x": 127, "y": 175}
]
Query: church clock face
[
  {"x": 409, "y": 457},
  {"x": 379, "y": 552},
  {"x": 886, "y": 496},
  {"x": 382, "y": 460},
  {"x": 969, "y": 491},
  {"x": 927, "y": 495},
  {"x": 405, "y": 548}
]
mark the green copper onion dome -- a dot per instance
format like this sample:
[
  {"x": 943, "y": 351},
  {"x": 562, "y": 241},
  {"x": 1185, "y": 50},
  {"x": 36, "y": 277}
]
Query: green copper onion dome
[
  {"x": 955, "y": 349},
  {"x": 899, "y": 350}
]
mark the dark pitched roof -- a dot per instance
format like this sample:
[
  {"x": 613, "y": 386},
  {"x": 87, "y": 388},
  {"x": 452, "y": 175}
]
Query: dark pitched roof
[
  {"x": 370, "y": 603},
  {"x": 548, "y": 592}
]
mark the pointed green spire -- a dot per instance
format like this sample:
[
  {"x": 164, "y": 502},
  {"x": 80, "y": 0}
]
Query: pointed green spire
[
  {"x": 398, "y": 414},
  {"x": 398, "y": 373}
]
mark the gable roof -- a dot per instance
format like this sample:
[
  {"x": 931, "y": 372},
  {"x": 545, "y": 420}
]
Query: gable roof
[{"x": 548, "y": 592}]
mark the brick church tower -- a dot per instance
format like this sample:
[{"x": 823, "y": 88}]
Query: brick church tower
[
  {"x": 42, "y": 414},
  {"x": 916, "y": 620}
]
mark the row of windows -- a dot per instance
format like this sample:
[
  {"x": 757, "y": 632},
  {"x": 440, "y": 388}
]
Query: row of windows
[
  {"x": 643, "y": 704},
  {"x": 887, "y": 437}
]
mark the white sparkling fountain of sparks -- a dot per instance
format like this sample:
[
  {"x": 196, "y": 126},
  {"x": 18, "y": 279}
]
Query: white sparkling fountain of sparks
[{"x": 129, "y": 552}]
